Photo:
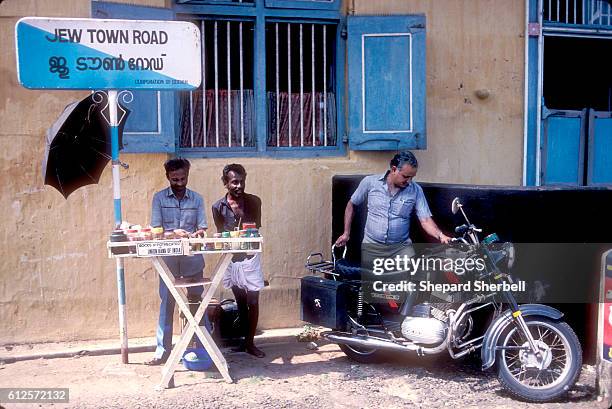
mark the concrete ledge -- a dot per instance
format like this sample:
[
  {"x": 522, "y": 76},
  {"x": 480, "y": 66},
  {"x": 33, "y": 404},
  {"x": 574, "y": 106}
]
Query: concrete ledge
[{"x": 111, "y": 347}]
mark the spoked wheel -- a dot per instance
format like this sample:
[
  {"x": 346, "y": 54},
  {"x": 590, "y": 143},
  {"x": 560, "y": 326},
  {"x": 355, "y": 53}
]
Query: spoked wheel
[{"x": 544, "y": 378}]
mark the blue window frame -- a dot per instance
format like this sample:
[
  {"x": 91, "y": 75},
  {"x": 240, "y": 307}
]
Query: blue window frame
[
  {"x": 305, "y": 4},
  {"x": 280, "y": 101},
  {"x": 273, "y": 98},
  {"x": 230, "y": 2}
]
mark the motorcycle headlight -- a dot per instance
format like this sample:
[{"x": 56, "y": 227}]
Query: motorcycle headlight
[{"x": 510, "y": 253}]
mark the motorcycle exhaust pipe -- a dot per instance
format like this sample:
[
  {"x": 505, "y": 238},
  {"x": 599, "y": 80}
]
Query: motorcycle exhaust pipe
[{"x": 378, "y": 343}]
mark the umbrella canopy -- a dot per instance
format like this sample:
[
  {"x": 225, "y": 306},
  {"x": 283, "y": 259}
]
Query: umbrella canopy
[{"x": 79, "y": 146}]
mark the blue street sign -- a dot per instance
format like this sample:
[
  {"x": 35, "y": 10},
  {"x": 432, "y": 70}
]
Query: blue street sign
[{"x": 59, "y": 53}]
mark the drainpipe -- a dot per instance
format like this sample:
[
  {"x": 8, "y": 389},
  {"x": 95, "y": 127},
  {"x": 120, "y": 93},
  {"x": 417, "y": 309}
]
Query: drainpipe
[
  {"x": 526, "y": 94},
  {"x": 538, "y": 182}
]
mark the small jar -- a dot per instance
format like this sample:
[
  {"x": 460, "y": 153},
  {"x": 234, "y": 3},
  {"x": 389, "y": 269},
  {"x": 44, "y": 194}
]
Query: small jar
[
  {"x": 118, "y": 236},
  {"x": 226, "y": 244},
  {"x": 218, "y": 245},
  {"x": 235, "y": 234},
  {"x": 146, "y": 234},
  {"x": 244, "y": 245},
  {"x": 248, "y": 225},
  {"x": 158, "y": 233},
  {"x": 132, "y": 235},
  {"x": 254, "y": 233}
]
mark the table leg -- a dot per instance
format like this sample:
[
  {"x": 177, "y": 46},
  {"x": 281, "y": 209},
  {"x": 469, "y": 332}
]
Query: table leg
[{"x": 205, "y": 338}]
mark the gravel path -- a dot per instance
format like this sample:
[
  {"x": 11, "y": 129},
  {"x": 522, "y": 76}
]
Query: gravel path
[{"x": 290, "y": 376}]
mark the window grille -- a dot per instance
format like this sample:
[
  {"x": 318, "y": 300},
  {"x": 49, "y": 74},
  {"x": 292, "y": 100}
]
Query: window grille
[
  {"x": 300, "y": 87},
  {"x": 580, "y": 12},
  {"x": 300, "y": 84},
  {"x": 220, "y": 114}
]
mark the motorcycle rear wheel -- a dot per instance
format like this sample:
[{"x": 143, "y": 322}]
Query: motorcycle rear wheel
[
  {"x": 518, "y": 370},
  {"x": 362, "y": 355}
]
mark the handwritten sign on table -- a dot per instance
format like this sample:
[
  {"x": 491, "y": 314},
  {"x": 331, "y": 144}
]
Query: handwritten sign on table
[
  {"x": 60, "y": 53},
  {"x": 159, "y": 248}
]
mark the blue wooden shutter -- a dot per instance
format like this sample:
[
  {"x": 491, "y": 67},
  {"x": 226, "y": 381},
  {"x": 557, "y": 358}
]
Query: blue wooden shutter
[
  {"x": 151, "y": 124},
  {"x": 386, "y": 77},
  {"x": 563, "y": 135},
  {"x": 600, "y": 148}
]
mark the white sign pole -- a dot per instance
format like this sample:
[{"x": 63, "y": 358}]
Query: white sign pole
[{"x": 114, "y": 128}]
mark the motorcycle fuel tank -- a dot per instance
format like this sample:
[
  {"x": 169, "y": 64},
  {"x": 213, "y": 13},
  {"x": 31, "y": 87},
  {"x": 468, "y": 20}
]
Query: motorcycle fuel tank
[{"x": 324, "y": 302}]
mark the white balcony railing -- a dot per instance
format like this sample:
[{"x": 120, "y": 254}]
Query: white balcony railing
[{"x": 578, "y": 12}]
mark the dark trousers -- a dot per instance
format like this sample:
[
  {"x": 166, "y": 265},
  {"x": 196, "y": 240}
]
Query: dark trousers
[{"x": 248, "y": 312}]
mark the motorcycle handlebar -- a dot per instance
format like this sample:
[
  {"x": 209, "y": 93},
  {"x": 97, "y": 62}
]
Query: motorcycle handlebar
[{"x": 464, "y": 228}]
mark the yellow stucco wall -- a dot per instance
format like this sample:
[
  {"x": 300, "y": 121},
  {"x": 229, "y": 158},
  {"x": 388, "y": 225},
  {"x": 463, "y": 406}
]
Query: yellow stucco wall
[{"x": 56, "y": 281}]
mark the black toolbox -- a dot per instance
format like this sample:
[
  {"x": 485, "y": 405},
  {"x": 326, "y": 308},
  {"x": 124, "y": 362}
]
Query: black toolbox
[{"x": 324, "y": 302}]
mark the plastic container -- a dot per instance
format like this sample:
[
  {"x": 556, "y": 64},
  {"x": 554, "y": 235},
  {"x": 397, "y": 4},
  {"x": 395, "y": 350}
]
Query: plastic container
[
  {"x": 244, "y": 245},
  {"x": 146, "y": 234},
  {"x": 119, "y": 236},
  {"x": 218, "y": 244},
  {"x": 226, "y": 245},
  {"x": 158, "y": 233},
  {"x": 253, "y": 233},
  {"x": 249, "y": 225},
  {"x": 234, "y": 234},
  {"x": 132, "y": 234},
  {"x": 196, "y": 359}
]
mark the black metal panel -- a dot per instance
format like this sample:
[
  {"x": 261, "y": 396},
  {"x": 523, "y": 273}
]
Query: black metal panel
[{"x": 324, "y": 302}]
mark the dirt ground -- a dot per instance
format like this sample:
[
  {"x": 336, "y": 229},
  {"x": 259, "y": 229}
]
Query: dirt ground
[{"x": 290, "y": 376}]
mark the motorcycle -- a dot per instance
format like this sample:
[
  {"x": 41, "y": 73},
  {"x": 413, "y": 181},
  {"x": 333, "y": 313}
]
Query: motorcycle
[{"x": 537, "y": 355}]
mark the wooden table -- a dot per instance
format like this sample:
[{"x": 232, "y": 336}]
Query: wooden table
[{"x": 154, "y": 249}]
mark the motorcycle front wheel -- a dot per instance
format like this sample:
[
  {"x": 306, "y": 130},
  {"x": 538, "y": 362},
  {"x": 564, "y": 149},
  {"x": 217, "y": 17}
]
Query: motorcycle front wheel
[{"x": 544, "y": 379}]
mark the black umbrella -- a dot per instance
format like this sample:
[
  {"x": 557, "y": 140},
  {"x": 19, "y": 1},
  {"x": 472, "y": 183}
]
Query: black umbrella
[{"x": 79, "y": 146}]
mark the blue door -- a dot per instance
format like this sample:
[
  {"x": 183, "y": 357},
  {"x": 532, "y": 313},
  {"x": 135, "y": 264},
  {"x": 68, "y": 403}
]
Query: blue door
[
  {"x": 600, "y": 148},
  {"x": 563, "y": 140},
  {"x": 576, "y": 147}
]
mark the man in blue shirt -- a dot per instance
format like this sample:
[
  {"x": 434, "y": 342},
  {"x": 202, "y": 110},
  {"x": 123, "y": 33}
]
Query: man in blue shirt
[
  {"x": 392, "y": 198},
  {"x": 181, "y": 210}
]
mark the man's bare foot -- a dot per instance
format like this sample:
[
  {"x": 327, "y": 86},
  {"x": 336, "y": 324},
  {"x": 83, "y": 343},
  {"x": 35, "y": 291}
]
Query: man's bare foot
[{"x": 253, "y": 350}]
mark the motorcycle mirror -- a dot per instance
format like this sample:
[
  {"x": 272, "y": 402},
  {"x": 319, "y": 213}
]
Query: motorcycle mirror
[
  {"x": 456, "y": 205},
  {"x": 462, "y": 229}
]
